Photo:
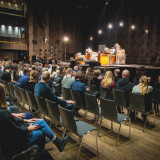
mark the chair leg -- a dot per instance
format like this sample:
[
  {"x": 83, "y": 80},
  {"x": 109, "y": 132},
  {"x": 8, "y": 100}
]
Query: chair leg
[
  {"x": 145, "y": 123},
  {"x": 129, "y": 128},
  {"x": 118, "y": 134},
  {"x": 64, "y": 132},
  {"x": 85, "y": 115},
  {"x": 80, "y": 140},
  {"x": 100, "y": 126},
  {"x": 111, "y": 126},
  {"x": 97, "y": 142},
  {"x": 154, "y": 118}
]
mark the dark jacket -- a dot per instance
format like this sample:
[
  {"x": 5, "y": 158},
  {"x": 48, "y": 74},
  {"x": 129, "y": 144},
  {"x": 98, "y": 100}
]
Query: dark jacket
[
  {"x": 13, "y": 135},
  {"x": 29, "y": 86},
  {"x": 117, "y": 78},
  {"x": 124, "y": 85},
  {"x": 23, "y": 81},
  {"x": 42, "y": 90}
]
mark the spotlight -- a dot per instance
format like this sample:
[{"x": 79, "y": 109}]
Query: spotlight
[
  {"x": 99, "y": 31},
  {"x": 146, "y": 31},
  {"x": 133, "y": 27},
  {"x": 110, "y": 26},
  {"x": 66, "y": 39},
  {"x": 121, "y": 24},
  {"x": 91, "y": 38}
]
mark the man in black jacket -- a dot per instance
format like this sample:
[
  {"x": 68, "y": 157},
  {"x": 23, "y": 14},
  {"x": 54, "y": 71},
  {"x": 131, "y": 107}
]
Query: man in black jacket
[{"x": 124, "y": 84}]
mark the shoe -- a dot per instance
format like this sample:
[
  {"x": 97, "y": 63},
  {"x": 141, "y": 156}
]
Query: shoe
[{"x": 61, "y": 143}]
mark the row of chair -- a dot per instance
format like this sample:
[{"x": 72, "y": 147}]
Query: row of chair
[{"x": 57, "y": 114}]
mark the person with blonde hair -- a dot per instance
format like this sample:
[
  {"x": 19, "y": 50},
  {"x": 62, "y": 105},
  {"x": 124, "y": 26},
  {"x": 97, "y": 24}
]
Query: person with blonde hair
[
  {"x": 108, "y": 81},
  {"x": 29, "y": 86},
  {"x": 143, "y": 86}
]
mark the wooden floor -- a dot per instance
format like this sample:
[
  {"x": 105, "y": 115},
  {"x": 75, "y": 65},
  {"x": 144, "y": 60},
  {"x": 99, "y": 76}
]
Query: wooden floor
[{"x": 141, "y": 146}]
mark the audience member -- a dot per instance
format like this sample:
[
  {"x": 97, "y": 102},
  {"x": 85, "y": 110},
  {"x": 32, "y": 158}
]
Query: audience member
[
  {"x": 66, "y": 82},
  {"x": 88, "y": 76},
  {"x": 117, "y": 75},
  {"x": 53, "y": 73},
  {"x": 125, "y": 85},
  {"x": 18, "y": 134},
  {"x": 29, "y": 86},
  {"x": 108, "y": 81},
  {"x": 95, "y": 80},
  {"x": 42, "y": 90},
  {"x": 77, "y": 85},
  {"x": 144, "y": 89},
  {"x": 24, "y": 78},
  {"x": 6, "y": 75},
  {"x": 157, "y": 84}
]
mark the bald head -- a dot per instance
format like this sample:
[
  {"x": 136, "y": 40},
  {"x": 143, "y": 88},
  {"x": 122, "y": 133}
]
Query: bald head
[{"x": 125, "y": 74}]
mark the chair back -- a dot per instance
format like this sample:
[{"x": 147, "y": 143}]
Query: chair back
[
  {"x": 53, "y": 111},
  {"x": 105, "y": 93},
  {"x": 31, "y": 100},
  {"x": 7, "y": 88},
  {"x": 137, "y": 102},
  {"x": 91, "y": 103},
  {"x": 119, "y": 97},
  {"x": 77, "y": 98},
  {"x": 68, "y": 119},
  {"x": 11, "y": 90},
  {"x": 93, "y": 88},
  {"x": 18, "y": 94},
  {"x": 108, "y": 109},
  {"x": 57, "y": 90},
  {"x": 66, "y": 93},
  {"x": 41, "y": 105},
  {"x": 156, "y": 96},
  {"x": 23, "y": 95}
]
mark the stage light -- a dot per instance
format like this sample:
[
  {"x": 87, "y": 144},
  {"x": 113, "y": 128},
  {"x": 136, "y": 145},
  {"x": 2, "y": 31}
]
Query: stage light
[
  {"x": 110, "y": 26},
  {"x": 2, "y": 2},
  {"x": 66, "y": 39},
  {"x": 9, "y": 3},
  {"x": 121, "y": 24},
  {"x": 91, "y": 38},
  {"x": 99, "y": 31},
  {"x": 132, "y": 27},
  {"x": 146, "y": 31}
]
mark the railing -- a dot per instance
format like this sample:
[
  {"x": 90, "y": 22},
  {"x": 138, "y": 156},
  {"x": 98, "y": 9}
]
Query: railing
[{"x": 10, "y": 35}]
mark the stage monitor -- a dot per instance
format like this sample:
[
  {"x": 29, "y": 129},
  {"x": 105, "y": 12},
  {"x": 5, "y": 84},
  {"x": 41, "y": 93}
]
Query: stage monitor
[{"x": 102, "y": 47}]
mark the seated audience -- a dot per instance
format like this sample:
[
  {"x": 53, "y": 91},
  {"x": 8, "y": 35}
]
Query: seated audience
[
  {"x": 66, "y": 82},
  {"x": 42, "y": 90},
  {"x": 117, "y": 75},
  {"x": 29, "y": 86},
  {"x": 24, "y": 78},
  {"x": 108, "y": 81}
]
